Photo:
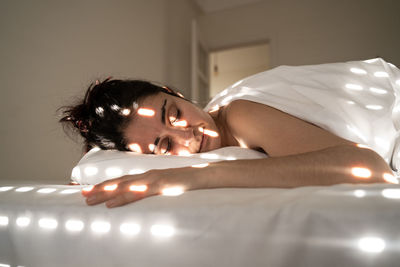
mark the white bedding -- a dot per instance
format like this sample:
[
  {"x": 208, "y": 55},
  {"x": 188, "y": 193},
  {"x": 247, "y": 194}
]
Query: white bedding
[
  {"x": 341, "y": 225},
  {"x": 308, "y": 226},
  {"x": 356, "y": 100}
]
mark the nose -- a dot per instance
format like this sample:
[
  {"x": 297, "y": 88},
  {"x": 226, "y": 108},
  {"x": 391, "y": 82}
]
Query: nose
[{"x": 182, "y": 136}]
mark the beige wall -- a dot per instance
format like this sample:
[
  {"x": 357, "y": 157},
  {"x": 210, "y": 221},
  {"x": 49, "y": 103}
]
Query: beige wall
[
  {"x": 178, "y": 56},
  {"x": 51, "y": 50},
  {"x": 311, "y": 31}
]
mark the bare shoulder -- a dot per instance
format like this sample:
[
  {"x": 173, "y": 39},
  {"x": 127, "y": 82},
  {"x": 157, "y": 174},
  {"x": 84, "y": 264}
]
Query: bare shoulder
[
  {"x": 240, "y": 113},
  {"x": 237, "y": 107},
  {"x": 276, "y": 132}
]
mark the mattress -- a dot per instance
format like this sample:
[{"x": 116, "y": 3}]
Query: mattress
[{"x": 340, "y": 225}]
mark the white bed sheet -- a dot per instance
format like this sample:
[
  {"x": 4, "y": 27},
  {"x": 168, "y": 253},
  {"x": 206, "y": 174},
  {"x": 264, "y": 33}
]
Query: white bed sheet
[{"x": 308, "y": 226}]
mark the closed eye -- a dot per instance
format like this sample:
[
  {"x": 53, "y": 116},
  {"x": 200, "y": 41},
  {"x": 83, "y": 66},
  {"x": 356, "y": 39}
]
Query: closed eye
[
  {"x": 165, "y": 146},
  {"x": 175, "y": 116}
]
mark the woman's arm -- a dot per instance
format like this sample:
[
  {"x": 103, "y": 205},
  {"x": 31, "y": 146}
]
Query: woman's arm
[
  {"x": 332, "y": 165},
  {"x": 328, "y": 166}
]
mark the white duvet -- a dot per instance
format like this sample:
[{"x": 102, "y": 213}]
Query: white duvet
[
  {"x": 356, "y": 100},
  {"x": 341, "y": 225}
]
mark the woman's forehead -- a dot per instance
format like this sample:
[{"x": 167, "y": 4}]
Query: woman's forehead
[
  {"x": 152, "y": 100},
  {"x": 146, "y": 121}
]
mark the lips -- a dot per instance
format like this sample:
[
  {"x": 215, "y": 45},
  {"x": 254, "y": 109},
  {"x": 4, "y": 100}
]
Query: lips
[{"x": 202, "y": 142}]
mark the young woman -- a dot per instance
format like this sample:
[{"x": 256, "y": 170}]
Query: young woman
[{"x": 132, "y": 115}]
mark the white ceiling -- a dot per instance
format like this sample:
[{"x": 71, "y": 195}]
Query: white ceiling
[{"x": 216, "y": 5}]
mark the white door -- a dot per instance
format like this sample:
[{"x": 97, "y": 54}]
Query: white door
[{"x": 228, "y": 66}]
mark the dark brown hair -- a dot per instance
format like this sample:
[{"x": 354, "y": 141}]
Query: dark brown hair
[{"x": 100, "y": 118}]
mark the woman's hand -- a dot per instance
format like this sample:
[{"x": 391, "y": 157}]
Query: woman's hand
[{"x": 130, "y": 188}]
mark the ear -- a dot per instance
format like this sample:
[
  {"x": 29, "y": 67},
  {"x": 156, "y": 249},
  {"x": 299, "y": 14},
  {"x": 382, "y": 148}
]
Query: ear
[
  {"x": 173, "y": 92},
  {"x": 168, "y": 90},
  {"x": 180, "y": 95}
]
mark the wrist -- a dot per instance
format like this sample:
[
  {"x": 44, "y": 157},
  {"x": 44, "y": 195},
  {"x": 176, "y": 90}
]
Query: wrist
[{"x": 213, "y": 176}]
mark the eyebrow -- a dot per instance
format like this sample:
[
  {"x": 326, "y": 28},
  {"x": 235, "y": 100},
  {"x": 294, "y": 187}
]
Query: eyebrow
[
  {"x": 162, "y": 121},
  {"x": 155, "y": 144},
  {"x": 163, "y": 112}
]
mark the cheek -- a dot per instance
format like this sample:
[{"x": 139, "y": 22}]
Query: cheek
[
  {"x": 216, "y": 143},
  {"x": 181, "y": 151},
  {"x": 141, "y": 143}
]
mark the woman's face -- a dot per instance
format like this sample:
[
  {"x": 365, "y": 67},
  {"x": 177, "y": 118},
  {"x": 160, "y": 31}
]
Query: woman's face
[{"x": 165, "y": 124}]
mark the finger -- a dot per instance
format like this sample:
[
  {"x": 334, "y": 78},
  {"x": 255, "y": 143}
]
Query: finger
[
  {"x": 134, "y": 193},
  {"x": 100, "y": 197},
  {"x": 110, "y": 189},
  {"x": 124, "y": 198},
  {"x": 86, "y": 190},
  {"x": 103, "y": 192},
  {"x": 109, "y": 185}
]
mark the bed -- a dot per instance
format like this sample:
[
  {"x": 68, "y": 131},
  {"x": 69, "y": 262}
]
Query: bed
[{"x": 341, "y": 225}]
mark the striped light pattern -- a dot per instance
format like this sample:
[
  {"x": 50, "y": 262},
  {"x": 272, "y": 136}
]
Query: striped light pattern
[
  {"x": 69, "y": 191},
  {"x": 48, "y": 223},
  {"x": 201, "y": 165},
  {"x": 390, "y": 178},
  {"x": 147, "y": 112},
  {"x": 129, "y": 228},
  {"x": 100, "y": 227},
  {"x": 46, "y": 190},
  {"x": 355, "y": 87},
  {"x": 110, "y": 187},
  {"x": 361, "y": 172},
  {"x": 23, "y": 221},
  {"x": 392, "y": 193},
  {"x": 88, "y": 188},
  {"x": 358, "y": 71},
  {"x": 359, "y": 193},
  {"x": 138, "y": 188},
  {"x": 371, "y": 244},
  {"x": 172, "y": 191},
  {"x": 381, "y": 74},
  {"x": 134, "y": 147},
  {"x": 6, "y": 188},
  {"x": 162, "y": 230},
  {"x": 24, "y": 189},
  {"x": 3, "y": 220},
  {"x": 73, "y": 225}
]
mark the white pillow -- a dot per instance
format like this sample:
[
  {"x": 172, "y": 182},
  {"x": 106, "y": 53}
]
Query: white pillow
[{"x": 100, "y": 165}]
